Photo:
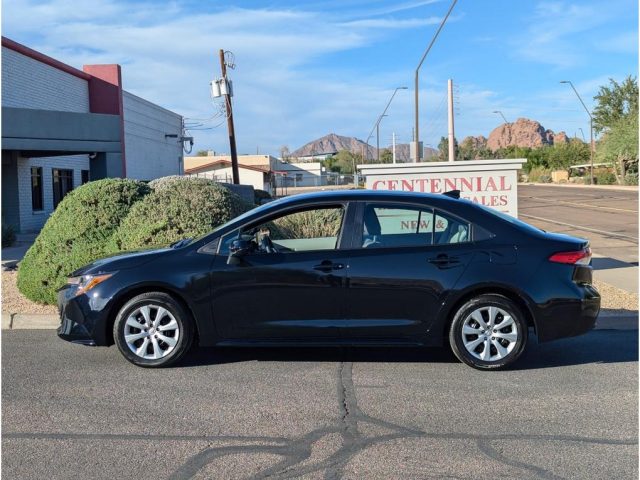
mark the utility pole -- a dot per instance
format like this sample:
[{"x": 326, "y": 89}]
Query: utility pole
[
  {"x": 393, "y": 143},
  {"x": 416, "y": 86},
  {"x": 452, "y": 136},
  {"x": 232, "y": 133}
]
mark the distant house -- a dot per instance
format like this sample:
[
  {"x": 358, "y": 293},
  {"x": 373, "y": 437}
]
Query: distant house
[
  {"x": 62, "y": 127},
  {"x": 264, "y": 172}
]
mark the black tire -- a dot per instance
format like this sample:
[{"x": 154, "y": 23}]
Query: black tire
[
  {"x": 155, "y": 300},
  {"x": 478, "y": 304}
]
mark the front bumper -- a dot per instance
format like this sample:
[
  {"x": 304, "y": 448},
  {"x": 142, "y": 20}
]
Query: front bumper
[
  {"x": 562, "y": 318},
  {"x": 83, "y": 319}
]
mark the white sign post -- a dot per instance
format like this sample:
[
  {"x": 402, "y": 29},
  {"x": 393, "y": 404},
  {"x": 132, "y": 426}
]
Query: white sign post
[{"x": 493, "y": 183}]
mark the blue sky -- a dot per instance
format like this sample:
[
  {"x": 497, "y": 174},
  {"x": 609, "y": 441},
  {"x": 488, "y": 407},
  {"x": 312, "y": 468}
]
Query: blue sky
[{"x": 305, "y": 69}]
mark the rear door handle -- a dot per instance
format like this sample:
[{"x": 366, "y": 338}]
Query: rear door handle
[
  {"x": 328, "y": 266},
  {"x": 443, "y": 260}
]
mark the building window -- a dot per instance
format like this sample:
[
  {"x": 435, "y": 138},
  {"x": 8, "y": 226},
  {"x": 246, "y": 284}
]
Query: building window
[
  {"x": 85, "y": 176},
  {"x": 62, "y": 184},
  {"x": 36, "y": 189}
]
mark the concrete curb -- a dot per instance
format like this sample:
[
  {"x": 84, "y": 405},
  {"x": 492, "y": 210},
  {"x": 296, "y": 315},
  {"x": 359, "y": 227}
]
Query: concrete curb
[
  {"x": 26, "y": 321},
  {"x": 22, "y": 321}
]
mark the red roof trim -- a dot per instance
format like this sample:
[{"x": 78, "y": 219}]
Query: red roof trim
[
  {"x": 41, "y": 57},
  {"x": 200, "y": 168}
]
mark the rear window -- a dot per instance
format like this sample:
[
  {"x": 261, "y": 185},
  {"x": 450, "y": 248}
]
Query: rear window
[{"x": 509, "y": 218}]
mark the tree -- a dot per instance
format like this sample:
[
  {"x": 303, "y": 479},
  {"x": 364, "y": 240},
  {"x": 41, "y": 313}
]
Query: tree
[
  {"x": 443, "y": 149},
  {"x": 620, "y": 145},
  {"x": 614, "y": 102},
  {"x": 202, "y": 153},
  {"x": 563, "y": 155},
  {"x": 386, "y": 156},
  {"x": 342, "y": 162},
  {"x": 284, "y": 153}
]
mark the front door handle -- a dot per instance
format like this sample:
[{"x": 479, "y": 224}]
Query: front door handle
[{"x": 328, "y": 266}]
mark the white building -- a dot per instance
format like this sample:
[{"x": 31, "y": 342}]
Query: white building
[
  {"x": 264, "y": 172},
  {"x": 63, "y": 127}
]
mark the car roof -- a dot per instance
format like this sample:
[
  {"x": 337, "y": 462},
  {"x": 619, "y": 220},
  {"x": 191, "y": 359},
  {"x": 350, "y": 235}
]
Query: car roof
[{"x": 360, "y": 194}]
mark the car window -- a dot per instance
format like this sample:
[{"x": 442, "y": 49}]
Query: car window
[
  {"x": 395, "y": 227},
  {"x": 311, "y": 229},
  {"x": 449, "y": 229}
]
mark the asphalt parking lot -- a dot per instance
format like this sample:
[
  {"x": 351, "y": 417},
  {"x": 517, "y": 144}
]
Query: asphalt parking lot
[
  {"x": 567, "y": 410},
  {"x": 607, "y": 217}
]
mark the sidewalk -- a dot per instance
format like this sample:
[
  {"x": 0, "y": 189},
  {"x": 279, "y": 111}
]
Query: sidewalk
[{"x": 614, "y": 272}]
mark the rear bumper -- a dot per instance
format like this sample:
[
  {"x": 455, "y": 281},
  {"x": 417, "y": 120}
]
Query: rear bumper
[{"x": 561, "y": 318}]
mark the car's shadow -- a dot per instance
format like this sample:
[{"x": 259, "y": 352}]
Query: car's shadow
[{"x": 598, "y": 346}]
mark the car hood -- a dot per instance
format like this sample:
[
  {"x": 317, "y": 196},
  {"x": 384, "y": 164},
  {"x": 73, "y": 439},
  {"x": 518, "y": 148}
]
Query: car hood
[{"x": 121, "y": 261}]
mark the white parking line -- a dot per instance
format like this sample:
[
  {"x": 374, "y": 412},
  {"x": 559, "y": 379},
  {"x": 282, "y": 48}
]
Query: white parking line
[
  {"x": 574, "y": 204},
  {"x": 580, "y": 227}
]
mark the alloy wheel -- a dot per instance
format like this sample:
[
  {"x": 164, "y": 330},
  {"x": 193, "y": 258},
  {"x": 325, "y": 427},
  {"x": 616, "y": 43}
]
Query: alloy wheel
[
  {"x": 489, "y": 333},
  {"x": 151, "y": 332}
]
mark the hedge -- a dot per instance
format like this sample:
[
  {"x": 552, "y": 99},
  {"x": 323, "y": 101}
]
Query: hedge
[
  {"x": 177, "y": 207},
  {"x": 77, "y": 233}
]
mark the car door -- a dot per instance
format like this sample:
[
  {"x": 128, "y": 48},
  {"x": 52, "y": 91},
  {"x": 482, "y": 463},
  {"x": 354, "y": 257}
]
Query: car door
[
  {"x": 294, "y": 292},
  {"x": 401, "y": 267}
]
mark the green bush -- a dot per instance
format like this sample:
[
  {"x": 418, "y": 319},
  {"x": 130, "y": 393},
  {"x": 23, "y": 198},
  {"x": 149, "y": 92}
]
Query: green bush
[
  {"x": 177, "y": 207},
  {"x": 631, "y": 178},
  {"x": 535, "y": 174},
  {"x": 606, "y": 178},
  {"x": 9, "y": 235},
  {"x": 77, "y": 233}
]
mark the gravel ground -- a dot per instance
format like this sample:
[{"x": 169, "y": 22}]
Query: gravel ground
[
  {"x": 614, "y": 298},
  {"x": 14, "y": 302}
]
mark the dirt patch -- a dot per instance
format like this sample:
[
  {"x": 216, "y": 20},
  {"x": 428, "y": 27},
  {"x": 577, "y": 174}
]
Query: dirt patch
[{"x": 14, "y": 302}]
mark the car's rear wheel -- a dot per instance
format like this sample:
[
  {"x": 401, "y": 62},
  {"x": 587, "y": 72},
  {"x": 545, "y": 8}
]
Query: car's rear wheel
[
  {"x": 153, "y": 330},
  {"x": 488, "y": 332}
]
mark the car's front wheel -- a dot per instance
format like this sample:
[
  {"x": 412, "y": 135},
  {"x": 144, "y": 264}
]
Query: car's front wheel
[
  {"x": 488, "y": 332},
  {"x": 153, "y": 330}
]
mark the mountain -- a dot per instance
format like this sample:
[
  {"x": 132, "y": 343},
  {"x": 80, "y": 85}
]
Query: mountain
[
  {"x": 523, "y": 133},
  {"x": 334, "y": 143}
]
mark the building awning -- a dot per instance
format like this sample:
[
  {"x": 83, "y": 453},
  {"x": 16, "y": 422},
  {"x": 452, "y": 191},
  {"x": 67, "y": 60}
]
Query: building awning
[{"x": 49, "y": 133}]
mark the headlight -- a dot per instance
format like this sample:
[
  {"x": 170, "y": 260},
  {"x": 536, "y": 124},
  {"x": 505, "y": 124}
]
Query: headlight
[{"x": 87, "y": 282}]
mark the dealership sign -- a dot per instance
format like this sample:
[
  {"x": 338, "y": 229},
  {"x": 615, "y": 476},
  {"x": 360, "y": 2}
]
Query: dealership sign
[{"x": 493, "y": 183}]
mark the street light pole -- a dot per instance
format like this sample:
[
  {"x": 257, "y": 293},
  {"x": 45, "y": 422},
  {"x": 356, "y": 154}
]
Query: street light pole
[
  {"x": 378, "y": 138},
  {"x": 377, "y": 124},
  {"x": 503, "y": 117},
  {"x": 590, "y": 123},
  {"x": 416, "y": 87}
]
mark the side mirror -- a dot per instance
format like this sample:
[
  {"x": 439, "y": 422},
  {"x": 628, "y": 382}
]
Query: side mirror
[{"x": 240, "y": 247}]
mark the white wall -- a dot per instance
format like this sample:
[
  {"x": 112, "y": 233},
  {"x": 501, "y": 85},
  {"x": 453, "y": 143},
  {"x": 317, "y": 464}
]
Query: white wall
[
  {"x": 247, "y": 177},
  {"x": 28, "y": 83},
  {"x": 31, "y": 221},
  {"x": 149, "y": 154},
  {"x": 300, "y": 174}
]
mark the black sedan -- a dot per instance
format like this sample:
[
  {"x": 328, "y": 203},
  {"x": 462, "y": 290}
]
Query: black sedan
[{"x": 341, "y": 268}]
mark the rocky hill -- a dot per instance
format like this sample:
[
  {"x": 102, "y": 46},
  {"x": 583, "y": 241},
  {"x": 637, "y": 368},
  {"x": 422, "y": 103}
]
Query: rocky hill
[
  {"x": 334, "y": 143},
  {"x": 523, "y": 133}
]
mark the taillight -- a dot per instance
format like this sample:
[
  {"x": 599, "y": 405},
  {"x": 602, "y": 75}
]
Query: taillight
[{"x": 578, "y": 257}]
